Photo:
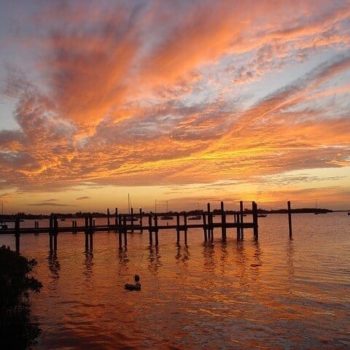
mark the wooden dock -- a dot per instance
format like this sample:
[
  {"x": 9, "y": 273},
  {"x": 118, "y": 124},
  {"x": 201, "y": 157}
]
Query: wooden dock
[{"x": 122, "y": 224}]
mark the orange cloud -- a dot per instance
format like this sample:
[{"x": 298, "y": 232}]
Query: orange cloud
[{"x": 161, "y": 93}]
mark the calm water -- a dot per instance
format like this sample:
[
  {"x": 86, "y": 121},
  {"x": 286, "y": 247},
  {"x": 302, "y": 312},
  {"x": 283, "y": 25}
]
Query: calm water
[{"x": 276, "y": 293}]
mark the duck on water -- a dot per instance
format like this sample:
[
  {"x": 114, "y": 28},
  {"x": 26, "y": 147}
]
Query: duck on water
[{"x": 135, "y": 286}]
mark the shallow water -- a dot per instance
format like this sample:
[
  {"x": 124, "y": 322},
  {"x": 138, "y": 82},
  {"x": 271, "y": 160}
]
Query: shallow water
[{"x": 274, "y": 293}]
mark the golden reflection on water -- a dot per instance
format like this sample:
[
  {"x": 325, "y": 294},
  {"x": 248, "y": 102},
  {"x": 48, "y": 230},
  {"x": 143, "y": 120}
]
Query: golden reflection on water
[{"x": 274, "y": 293}]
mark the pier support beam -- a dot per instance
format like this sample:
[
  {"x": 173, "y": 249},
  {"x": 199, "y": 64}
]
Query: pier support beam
[
  {"x": 255, "y": 220},
  {"x": 238, "y": 222},
  {"x": 53, "y": 231},
  {"x": 210, "y": 224},
  {"x": 241, "y": 209},
  {"x": 223, "y": 222},
  {"x": 116, "y": 223},
  {"x": 108, "y": 219},
  {"x": 140, "y": 222},
  {"x": 125, "y": 232},
  {"x": 132, "y": 219},
  {"x": 177, "y": 228},
  {"x": 205, "y": 229},
  {"x": 156, "y": 228},
  {"x": 150, "y": 229},
  {"x": 290, "y": 221}
]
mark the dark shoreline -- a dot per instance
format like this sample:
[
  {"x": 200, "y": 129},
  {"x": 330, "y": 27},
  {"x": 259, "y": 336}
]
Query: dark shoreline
[{"x": 17, "y": 330}]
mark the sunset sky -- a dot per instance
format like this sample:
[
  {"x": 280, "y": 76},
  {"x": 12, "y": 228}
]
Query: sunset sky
[{"x": 178, "y": 101}]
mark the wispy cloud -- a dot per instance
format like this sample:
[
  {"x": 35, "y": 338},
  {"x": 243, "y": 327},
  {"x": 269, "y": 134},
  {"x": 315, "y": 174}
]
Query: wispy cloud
[
  {"x": 173, "y": 93},
  {"x": 82, "y": 198}
]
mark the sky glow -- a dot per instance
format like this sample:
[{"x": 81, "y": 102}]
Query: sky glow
[{"x": 178, "y": 101}]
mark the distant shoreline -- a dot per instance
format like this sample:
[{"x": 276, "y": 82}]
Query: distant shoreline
[{"x": 29, "y": 216}]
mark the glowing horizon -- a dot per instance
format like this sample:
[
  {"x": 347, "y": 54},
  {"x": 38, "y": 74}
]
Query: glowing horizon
[{"x": 186, "y": 102}]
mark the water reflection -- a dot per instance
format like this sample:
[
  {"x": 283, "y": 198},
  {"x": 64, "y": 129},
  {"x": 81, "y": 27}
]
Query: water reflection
[
  {"x": 223, "y": 256},
  {"x": 154, "y": 260},
  {"x": 257, "y": 262},
  {"x": 123, "y": 257},
  {"x": 290, "y": 259},
  {"x": 241, "y": 261},
  {"x": 88, "y": 262},
  {"x": 209, "y": 257},
  {"x": 182, "y": 254},
  {"x": 54, "y": 265}
]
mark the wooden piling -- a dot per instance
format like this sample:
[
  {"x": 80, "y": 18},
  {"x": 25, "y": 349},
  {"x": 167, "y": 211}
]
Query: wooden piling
[
  {"x": 125, "y": 231},
  {"x": 290, "y": 221},
  {"x": 204, "y": 227},
  {"x": 74, "y": 226},
  {"x": 210, "y": 224},
  {"x": 238, "y": 229},
  {"x": 156, "y": 227},
  {"x": 116, "y": 220},
  {"x": 51, "y": 232},
  {"x": 108, "y": 219},
  {"x": 241, "y": 219},
  {"x": 86, "y": 229},
  {"x": 223, "y": 222},
  {"x": 140, "y": 222},
  {"x": 177, "y": 228},
  {"x": 150, "y": 229},
  {"x": 132, "y": 219},
  {"x": 119, "y": 230},
  {"x": 55, "y": 233},
  {"x": 255, "y": 220}
]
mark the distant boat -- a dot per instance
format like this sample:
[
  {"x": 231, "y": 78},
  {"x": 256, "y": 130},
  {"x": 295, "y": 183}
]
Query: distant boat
[
  {"x": 349, "y": 213},
  {"x": 195, "y": 217},
  {"x": 262, "y": 215},
  {"x": 167, "y": 216}
]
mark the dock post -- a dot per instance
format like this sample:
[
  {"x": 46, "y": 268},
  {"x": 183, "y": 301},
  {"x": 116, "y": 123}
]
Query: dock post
[
  {"x": 141, "y": 229},
  {"x": 156, "y": 227},
  {"x": 125, "y": 231},
  {"x": 290, "y": 221},
  {"x": 210, "y": 224},
  {"x": 108, "y": 219},
  {"x": 119, "y": 230},
  {"x": 205, "y": 227},
  {"x": 91, "y": 232},
  {"x": 51, "y": 232},
  {"x": 150, "y": 228},
  {"x": 237, "y": 220},
  {"x": 17, "y": 233},
  {"x": 241, "y": 219},
  {"x": 223, "y": 222},
  {"x": 55, "y": 233},
  {"x": 132, "y": 220},
  {"x": 185, "y": 227},
  {"x": 177, "y": 228},
  {"x": 255, "y": 220},
  {"x": 116, "y": 220},
  {"x": 86, "y": 218},
  {"x": 74, "y": 226},
  {"x": 36, "y": 223}
]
